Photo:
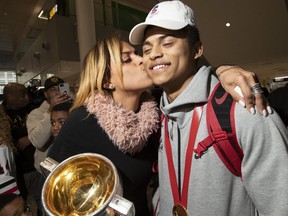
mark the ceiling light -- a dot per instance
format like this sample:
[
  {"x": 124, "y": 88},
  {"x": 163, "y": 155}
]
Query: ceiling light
[
  {"x": 228, "y": 24},
  {"x": 42, "y": 16}
]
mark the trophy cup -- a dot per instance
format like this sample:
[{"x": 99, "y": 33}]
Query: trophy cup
[{"x": 84, "y": 184}]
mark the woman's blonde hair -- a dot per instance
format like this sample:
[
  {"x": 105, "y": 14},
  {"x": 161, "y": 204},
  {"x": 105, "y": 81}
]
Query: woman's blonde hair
[{"x": 96, "y": 69}]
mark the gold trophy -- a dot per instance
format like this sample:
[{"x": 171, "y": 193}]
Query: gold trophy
[{"x": 84, "y": 184}]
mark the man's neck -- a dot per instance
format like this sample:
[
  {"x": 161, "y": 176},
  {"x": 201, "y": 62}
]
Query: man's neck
[{"x": 173, "y": 93}]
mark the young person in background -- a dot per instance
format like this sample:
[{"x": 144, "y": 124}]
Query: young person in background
[
  {"x": 59, "y": 115},
  {"x": 13, "y": 205},
  {"x": 39, "y": 127}
]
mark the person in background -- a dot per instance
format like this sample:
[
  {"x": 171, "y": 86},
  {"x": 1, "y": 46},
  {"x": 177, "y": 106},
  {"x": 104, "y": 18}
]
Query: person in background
[
  {"x": 59, "y": 115},
  {"x": 38, "y": 121},
  {"x": 278, "y": 100},
  {"x": 76, "y": 86},
  {"x": 7, "y": 159},
  {"x": 190, "y": 184},
  {"x": 16, "y": 106},
  {"x": 7, "y": 148},
  {"x": 13, "y": 205},
  {"x": 39, "y": 127}
]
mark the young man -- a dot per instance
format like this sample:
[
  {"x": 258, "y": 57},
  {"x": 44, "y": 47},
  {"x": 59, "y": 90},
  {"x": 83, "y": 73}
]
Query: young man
[{"x": 194, "y": 185}]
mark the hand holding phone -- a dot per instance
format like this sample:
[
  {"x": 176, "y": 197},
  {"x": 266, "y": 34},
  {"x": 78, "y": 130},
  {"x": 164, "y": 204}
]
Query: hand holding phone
[{"x": 64, "y": 88}]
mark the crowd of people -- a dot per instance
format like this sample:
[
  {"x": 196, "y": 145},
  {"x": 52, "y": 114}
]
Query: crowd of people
[{"x": 119, "y": 113}]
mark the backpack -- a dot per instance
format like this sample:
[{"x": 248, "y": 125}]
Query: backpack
[{"x": 221, "y": 129}]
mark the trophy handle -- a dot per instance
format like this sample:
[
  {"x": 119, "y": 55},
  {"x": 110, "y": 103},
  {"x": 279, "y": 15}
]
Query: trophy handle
[
  {"x": 122, "y": 206},
  {"x": 47, "y": 166}
]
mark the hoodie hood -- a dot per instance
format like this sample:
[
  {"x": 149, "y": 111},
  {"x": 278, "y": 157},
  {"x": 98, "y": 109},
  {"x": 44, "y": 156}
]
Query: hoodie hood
[{"x": 183, "y": 103}]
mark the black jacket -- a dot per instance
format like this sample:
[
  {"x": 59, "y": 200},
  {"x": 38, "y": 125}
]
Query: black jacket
[{"x": 81, "y": 133}]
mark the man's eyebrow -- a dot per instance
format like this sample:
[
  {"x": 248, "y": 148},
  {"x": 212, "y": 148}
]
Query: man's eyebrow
[
  {"x": 161, "y": 38},
  {"x": 126, "y": 53}
]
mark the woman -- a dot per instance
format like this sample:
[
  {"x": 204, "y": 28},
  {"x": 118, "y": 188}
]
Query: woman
[
  {"x": 7, "y": 156},
  {"x": 114, "y": 115},
  {"x": 118, "y": 120}
]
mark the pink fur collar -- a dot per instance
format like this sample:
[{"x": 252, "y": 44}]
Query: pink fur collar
[{"x": 129, "y": 131}]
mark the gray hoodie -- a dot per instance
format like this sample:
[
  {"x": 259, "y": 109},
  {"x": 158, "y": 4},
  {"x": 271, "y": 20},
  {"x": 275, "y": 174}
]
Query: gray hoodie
[{"x": 213, "y": 190}]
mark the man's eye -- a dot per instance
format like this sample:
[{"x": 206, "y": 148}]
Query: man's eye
[
  {"x": 125, "y": 61},
  {"x": 147, "y": 51},
  {"x": 167, "y": 44}
]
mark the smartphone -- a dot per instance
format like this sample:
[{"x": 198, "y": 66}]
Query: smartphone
[{"x": 64, "y": 88}]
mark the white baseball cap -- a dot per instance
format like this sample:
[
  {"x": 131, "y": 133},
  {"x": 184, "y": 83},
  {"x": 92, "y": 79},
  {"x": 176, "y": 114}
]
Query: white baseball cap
[{"x": 172, "y": 15}]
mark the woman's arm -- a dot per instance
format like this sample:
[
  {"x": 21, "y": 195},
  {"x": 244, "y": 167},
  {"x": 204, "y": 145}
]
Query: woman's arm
[{"x": 234, "y": 77}]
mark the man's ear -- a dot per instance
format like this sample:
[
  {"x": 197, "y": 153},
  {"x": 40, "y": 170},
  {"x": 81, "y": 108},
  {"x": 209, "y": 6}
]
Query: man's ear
[
  {"x": 45, "y": 94},
  {"x": 199, "y": 50}
]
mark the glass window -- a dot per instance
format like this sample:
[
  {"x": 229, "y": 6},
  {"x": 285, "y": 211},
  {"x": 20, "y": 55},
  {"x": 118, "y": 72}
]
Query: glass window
[{"x": 6, "y": 77}]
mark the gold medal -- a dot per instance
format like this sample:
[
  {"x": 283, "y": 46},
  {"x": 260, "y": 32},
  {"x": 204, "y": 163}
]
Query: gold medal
[{"x": 179, "y": 210}]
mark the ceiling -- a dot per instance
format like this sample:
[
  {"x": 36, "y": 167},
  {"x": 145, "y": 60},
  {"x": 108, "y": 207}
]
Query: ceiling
[
  {"x": 18, "y": 29},
  {"x": 256, "y": 39}
]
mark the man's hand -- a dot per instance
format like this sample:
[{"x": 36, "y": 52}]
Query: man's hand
[
  {"x": 238, "y": 83},
  {"x": 22, "y": 143}
]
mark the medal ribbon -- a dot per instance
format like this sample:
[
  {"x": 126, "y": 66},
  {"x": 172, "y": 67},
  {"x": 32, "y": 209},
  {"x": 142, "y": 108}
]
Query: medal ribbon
[{"x": 188, "y": 160}]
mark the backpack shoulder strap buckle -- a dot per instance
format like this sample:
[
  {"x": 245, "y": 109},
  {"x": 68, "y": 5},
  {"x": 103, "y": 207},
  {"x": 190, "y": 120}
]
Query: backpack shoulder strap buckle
[
  {"x": 219, "y": 135},
  {"x": 209, "y": 141}
]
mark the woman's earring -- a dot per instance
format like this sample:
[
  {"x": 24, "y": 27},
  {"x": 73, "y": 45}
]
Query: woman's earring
[{"x": 109, "y": 86}]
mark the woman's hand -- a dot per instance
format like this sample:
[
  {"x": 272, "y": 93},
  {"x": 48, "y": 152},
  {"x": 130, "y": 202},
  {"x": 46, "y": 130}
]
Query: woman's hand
[{"x": 238, "y": 83}]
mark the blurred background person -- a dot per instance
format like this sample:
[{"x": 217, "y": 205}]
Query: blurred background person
[
  {"x": 38, "y": 121},
  {"x": 13, "y": 205},
  {"x": 7, "y": 148},
  {"x": 75, "y": 89},
  {"x": 39, "y": 127},
  {"x": 59, "y": 114},
  {"x": 278, "y": 99},
  {"x": 16, "y": 106}
]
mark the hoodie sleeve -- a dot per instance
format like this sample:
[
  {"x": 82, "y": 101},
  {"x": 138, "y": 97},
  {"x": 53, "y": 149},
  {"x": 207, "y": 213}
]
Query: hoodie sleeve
[
  {"x": 39, "y": 128},
  {"x": 265, "y": 163}
]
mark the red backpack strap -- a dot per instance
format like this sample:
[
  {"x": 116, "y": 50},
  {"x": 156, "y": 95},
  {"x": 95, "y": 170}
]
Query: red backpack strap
[{"x": 221, "y": 129}]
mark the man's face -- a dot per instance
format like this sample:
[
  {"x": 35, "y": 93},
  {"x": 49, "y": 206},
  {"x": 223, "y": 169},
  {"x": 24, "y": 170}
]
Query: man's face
[
  {"x": 168, "y": 58},
  {"x": 18, "y": 99},
  {"x": 51, "y": 92}
]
